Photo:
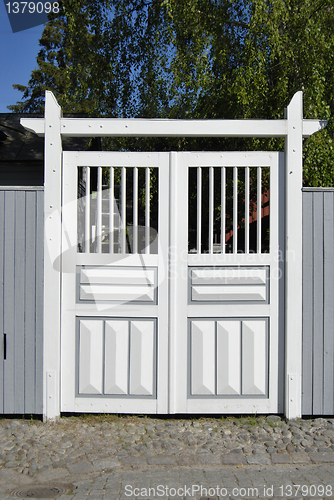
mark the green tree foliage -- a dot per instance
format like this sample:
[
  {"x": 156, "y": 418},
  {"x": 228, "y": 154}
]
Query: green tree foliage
[{"x": 192, "y": 59}]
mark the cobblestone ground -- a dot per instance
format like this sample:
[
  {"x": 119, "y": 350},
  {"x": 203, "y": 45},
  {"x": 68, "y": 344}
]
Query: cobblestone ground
[{"x": 138, "y": 457}]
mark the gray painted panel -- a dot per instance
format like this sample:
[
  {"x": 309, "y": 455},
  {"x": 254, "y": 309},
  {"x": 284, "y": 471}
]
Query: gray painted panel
[
  {"x": 328, "y": 391},
  {"x": 9, "y": 363},
  {"x": 19, "y": 256},
  {"x": 2, "y": 233},
  {"x": 30, "y": 303},
  {"x": 21, "y": 300},
  {"x": 318, "y": 299},
  {"x": 307, "y": 302}
]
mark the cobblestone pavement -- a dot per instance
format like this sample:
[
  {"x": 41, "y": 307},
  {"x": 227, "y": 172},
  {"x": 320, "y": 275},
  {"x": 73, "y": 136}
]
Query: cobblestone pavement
[{"x": 122, "y": 457}]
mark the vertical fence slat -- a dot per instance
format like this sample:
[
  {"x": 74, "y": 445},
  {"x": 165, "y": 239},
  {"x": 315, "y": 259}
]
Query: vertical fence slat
[
  {"x": 318, "y": 300},
  {"x": 135, "y": 210},
  {"x": 30, "y": 303},
  {"x": 99, "y": 211},
  {"x": 147, "y": 210},
  {"x": 111, "y": 210},
  {"x": 235, "y": 209},
  {"x": 211, "y": 208},
  {"x": 123, "y": 210},
  {"x": 247, "y": 210},
  {"x": 2, "y": 291},
  {"x": 39, "y": 301},
  {"x": 223, "y": 210},
  {"x": 87, "y": 211},
  {"x": 328, "y": 389},
  {"x": 307, "y": 302},
  {"x": 9, "y": 311},
  {"x": 19, "y": 299},
  {"x": 199, "y": 210},
  {"x": 259, "y": 210}
]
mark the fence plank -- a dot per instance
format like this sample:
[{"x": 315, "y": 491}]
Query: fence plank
[
  {"x": 9, "y": 303},
  {"x": 19, "y": 289},
  {"x": 318, "y": 298},
  {"x": 328, "y": 312},
  {"x": 39, "y": 301},
  {"x": 2, "y": 233},
  {"x": 30, "y": 303},
  {"x": 307, "y": 302}
]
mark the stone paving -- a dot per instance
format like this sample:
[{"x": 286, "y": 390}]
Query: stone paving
[{"x": 116, "y": 458}]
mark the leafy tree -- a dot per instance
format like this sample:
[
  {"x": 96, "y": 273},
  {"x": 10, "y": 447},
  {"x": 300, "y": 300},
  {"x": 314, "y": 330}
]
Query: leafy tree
[{"x": 192, "y": 59}]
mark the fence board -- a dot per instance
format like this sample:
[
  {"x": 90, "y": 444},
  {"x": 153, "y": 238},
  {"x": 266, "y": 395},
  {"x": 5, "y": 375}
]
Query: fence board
[
  {"x": 39, "y": 301},
  {"x": 2, "y": 232},
  {"x": 307, "y": 302}
]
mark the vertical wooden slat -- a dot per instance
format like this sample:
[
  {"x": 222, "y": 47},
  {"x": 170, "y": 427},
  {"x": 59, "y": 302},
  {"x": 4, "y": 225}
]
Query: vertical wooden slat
[
  {"x": 223, "y": 210},
  {"x": 259, "y": 210},
  {"x": 19, "y": 299},
  {"x": 211, "y": 208},
  {"x": 328, "y": 311},
  {"x": 318, "y": 299},
  {"x": 111, "y": 210},
  {"x": 247, "y": 210},
  {"x": 307, "y": 303},
  {"x": 39, "y": 300},
  {"x": 87, "y": 212},
  {"x": 123, "y": 210},
  {"x": 135, "y": 210},
  {"x": 9, "y": 302},
  {"x": 199, "y": 210},
  {"x": 30, "y": 303},
  {"x": 2, "y": 291},
  {"x": 147, "y": 210},
  {"x": 99, "y": 211},
  {"x": 235, "y": 209}
]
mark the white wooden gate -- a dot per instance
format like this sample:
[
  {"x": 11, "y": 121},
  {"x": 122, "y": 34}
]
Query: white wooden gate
[{"x": 156, "y": 316}]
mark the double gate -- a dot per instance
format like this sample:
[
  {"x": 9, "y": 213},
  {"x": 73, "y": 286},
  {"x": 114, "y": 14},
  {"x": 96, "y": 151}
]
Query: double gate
[{"x": 171, "y": 283}]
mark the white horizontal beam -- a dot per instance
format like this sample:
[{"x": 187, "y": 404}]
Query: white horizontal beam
[{"x": 138, "y": 127}]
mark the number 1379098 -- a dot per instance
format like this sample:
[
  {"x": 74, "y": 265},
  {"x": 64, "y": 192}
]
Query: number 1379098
[{"x": 32, "y": 7}]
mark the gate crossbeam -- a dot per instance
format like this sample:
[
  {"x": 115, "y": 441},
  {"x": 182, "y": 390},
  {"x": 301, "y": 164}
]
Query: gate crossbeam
[{"x": 293, "y": 128}]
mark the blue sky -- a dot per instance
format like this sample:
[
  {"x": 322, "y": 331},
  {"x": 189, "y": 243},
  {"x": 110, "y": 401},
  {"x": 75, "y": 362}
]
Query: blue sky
[{"x": 18, "y": 52}]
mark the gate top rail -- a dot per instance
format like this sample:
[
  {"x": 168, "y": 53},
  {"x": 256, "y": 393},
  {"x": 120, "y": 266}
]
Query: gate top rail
[{"x": 144, "y": 127}]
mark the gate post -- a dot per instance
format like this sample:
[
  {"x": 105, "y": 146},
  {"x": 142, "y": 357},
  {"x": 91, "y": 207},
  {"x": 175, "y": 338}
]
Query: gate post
[
  {"x": 293, "y": 257},
  {"x": 52, "y": 254}
]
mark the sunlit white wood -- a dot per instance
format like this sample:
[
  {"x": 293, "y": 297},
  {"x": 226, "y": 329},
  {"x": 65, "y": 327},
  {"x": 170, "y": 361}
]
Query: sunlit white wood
[
  {"x": 111, "y": 209},
  {"x": 106, "y": 259},
  {"x": 211, "y": 208},
  {"x": 135, "y": 210},
  {"x": 228, "y": 357},
  {"x": 233, "y": 293},
  {"x": 203, "y": 364},
  {"x": 123, "y": 210},
  {"x": 90, "y": 357},
  {"x": 199, "y": 210},
  {"x": 237, "y": 276},
  {"x": 247, "y": 210},
  {"x": 223, "y": 209},
  {"x": 254, "y": 357},
  {"x": 99, "y": 211},
  {"x": 310, "y": 127},
  {"x": 116, "y": 292},
  {"x": 117, "y": 276},
  {"x": 116, "y": 357},
  {"x": 141, "y": 357},
  {"x": 147, "y": 210},
  {"x": 259, "y": 210},
  {"x": 87, "y": 211},
  {"x": 235, "y": 209}
]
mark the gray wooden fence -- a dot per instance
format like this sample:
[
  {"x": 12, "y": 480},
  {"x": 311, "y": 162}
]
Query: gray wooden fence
[
  {"x": 21, "y": 299},
  {"x": 318, "y": 301}
]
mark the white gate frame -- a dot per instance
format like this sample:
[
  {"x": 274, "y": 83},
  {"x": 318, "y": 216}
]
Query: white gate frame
[{"x": 293, "y": 128}]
